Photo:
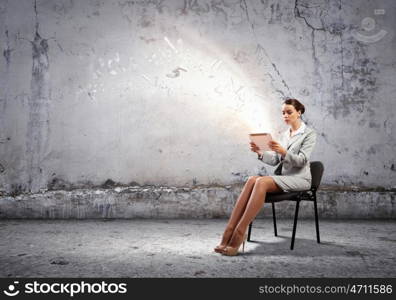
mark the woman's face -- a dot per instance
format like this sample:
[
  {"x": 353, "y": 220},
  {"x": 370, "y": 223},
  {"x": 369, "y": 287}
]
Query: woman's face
[{"x": 290, "y": 114}]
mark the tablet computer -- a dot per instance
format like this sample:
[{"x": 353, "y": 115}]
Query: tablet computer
[{"x": 261, "y": 140}]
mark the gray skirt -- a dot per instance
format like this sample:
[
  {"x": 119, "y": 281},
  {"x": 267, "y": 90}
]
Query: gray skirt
[{"x": 290, "y": 183}]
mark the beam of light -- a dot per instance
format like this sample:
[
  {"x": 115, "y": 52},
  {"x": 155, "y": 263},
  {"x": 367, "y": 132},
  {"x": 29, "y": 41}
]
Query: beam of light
[
  {"x": 221, "y": 83},
  {"x": 200, "y": 73}
]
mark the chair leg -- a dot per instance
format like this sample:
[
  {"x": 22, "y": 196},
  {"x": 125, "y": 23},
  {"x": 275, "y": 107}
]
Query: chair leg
[
  {"x": 249, "y": 231},
  {"x": 295, "y": 225},
  {"x": 316, "y": 220},
  {"x": 274, "y": 218}
]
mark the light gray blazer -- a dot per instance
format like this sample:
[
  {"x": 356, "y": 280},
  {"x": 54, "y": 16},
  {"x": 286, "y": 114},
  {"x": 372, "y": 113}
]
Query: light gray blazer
[{"x": 296, "y": 160}]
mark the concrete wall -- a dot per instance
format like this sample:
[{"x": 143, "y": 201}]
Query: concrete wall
[
  {"x": 166, "y": 92},
  {"x": 197, "y": 202}
]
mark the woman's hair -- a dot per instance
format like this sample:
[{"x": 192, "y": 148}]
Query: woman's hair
[{"x": 297, "y": 104}]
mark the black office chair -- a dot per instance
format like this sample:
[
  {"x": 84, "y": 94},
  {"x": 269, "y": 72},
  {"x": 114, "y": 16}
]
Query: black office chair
[{"x": 309, "y": 195}]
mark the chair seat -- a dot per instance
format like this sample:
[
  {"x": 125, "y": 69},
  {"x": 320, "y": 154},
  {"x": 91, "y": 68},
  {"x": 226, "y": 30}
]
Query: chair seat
[{"x": 275, "y": 197}]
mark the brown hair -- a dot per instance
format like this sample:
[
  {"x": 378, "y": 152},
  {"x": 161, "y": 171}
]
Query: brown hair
[{"x": 297, "y": 104}]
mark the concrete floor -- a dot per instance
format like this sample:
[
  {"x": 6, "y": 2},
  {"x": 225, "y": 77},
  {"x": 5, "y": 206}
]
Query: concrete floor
[{"x": 183, "y": 248}]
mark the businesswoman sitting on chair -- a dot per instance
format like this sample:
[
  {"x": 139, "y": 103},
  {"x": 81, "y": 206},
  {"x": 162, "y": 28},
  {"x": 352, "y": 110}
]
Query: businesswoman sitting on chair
[{"x": 293, "y": 173}]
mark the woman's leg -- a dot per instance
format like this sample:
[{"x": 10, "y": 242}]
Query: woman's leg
[
  {"x": 238, "y": 210},
  {"x": 256, "y": 201}
]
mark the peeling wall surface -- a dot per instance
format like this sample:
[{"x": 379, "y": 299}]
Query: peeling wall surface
[
  {"x": 165, "y": 93},
  {"x": 137, "y": 202}
]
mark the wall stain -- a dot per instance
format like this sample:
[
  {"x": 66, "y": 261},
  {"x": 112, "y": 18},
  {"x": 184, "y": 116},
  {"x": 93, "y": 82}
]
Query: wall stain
[
  {"x": 38, "y": 122},
  {"x": 176, "y": 72},
  {"x": 356, "y": 70},
  {"x": 63, "y": 8},
  {"x": 312, "y": 17},
  {"x": 372, "y": 124},
  {"x": 276, "y": 14},
  {"x": 195, "y": 6},
  {"x": 7, "y": 51},
  {"x": 147, "y": 40},
  {"x": 219, "y": 9},
  {"x": 359, "y": 87}
]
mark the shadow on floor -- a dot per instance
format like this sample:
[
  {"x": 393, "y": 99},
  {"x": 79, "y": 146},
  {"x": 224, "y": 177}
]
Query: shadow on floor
[{"x": 280, "y": 245}]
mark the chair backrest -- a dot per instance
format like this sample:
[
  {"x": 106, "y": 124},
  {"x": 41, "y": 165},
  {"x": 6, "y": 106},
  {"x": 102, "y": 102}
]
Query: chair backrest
[{"x": 316, "y": 173}]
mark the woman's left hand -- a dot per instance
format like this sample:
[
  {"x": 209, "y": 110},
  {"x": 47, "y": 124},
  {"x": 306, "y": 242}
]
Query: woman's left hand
[{"x": 275, "y": 146}]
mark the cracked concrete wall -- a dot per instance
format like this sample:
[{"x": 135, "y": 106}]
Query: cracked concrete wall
[
  {"x": 196, "y": 202},
  {"x": 166, "y": 92}
]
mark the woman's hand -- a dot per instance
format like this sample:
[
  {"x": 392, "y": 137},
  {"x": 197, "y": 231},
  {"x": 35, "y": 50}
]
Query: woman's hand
[
  {"x": 275, "y": 146},
  {"x": 255, "y": 148}
]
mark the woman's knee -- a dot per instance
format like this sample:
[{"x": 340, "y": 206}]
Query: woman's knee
[
  {"x": 252, "y": 179},
  {"x": 264, "y": 181}
]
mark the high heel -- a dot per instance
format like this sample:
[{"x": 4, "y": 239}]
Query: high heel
[
  {"x": 231, "y": 251},
  {"x": 220, "y": 248}
]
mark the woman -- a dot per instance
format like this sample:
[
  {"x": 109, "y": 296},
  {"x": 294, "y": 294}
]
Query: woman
[{"x": 292, "y": 174}]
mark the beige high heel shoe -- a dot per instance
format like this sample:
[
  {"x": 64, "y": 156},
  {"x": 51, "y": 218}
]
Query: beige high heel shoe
[
  {"x": 231, "y": 251},
  {"x": 220, "y": 248}
]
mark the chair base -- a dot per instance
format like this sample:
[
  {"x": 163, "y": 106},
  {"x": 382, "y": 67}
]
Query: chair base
[{"x": 294, "y": 222}]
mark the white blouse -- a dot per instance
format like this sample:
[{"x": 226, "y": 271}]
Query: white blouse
[{"x": 286, "y": 136}]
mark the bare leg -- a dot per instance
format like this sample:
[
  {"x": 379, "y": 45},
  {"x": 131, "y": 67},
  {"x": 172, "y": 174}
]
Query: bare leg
[
  {"x": 256, "y": 201},
  {"x": 237, "y": 211},
  {"x": 242, "y": 201}
]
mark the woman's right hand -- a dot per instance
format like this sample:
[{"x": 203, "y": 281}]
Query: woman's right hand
[{"x": 255, "y": 148}]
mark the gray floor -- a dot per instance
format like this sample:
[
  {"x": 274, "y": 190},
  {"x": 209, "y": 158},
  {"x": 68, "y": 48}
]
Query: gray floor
[{"x": 183, "y": 248}]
